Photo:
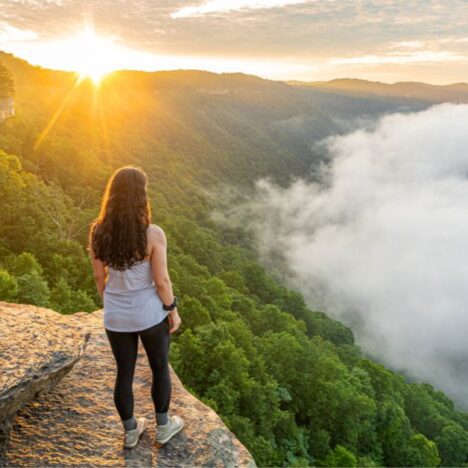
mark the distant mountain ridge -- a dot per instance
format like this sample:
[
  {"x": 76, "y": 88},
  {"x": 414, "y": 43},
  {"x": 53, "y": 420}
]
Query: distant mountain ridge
[
  {"x": 205, "y": 80},
  {"x": 456, "y": 92}
]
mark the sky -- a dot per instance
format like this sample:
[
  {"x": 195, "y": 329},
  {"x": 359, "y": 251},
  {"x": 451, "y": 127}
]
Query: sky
[
  {"x": 380, "y": 241},
  {"x": 308, "y": 40}
]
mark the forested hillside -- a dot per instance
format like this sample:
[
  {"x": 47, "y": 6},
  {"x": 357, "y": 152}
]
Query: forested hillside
[{"x": 289, "y": 381}]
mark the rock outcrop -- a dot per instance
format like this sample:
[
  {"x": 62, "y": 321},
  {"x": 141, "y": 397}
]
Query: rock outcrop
[
  {"x": 7, "y": 108},
  {"x": 76, "y": 422},
  {"x": 37, "y": 348}
]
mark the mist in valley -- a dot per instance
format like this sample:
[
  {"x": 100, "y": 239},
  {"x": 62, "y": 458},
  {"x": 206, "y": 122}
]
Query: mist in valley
[{"x": 380, "y": 241}]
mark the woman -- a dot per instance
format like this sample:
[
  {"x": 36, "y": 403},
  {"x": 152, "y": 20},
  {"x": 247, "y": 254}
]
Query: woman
[{"x": 129, "y": 259}]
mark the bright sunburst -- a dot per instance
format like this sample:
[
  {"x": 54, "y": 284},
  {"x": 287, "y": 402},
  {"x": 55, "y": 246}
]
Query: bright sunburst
[
  {"x": 93, "y": 56},
  {"x": 88, "y": 55}
]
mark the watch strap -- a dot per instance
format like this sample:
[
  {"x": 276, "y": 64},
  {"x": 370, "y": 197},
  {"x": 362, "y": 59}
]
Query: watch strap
[{"x": 171, "y": 306}]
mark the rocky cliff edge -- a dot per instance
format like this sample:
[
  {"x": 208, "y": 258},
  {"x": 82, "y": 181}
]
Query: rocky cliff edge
[{"x": 57, "y": 376}]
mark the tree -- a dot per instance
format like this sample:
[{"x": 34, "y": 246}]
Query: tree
[
  {"x": 423, "y": 452},
  {"x": 32, "y": 286},
  {"x": 33, "y": 289},
  {"x": 453, "y": 445},
  {"x": 8, "y": 287},
  {"x": 23, "y": 264},
  {"x": 63, "y": 299},
  {"x": 340, "y": 457},
  {"x": 234, "y": 280},
  {"x": 193, "y": 313}
]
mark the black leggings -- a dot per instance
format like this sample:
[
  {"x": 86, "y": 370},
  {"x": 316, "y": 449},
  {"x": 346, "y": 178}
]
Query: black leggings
[{"x": 156, "y": 340}]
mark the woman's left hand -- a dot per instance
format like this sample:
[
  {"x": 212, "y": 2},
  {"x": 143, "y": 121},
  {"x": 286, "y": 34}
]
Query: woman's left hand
[{"x": 174, "y": 320}]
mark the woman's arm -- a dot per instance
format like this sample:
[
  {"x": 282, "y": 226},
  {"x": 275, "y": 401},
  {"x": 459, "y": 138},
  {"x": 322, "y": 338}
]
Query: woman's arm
[
  {"x": 161, "y": 277},
  {"x": 100, "y": 273},
  {"x": 159, "y": 265}
]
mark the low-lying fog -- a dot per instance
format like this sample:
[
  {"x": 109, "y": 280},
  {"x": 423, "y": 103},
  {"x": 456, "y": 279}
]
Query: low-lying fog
[{"x": 381, "y": 241}]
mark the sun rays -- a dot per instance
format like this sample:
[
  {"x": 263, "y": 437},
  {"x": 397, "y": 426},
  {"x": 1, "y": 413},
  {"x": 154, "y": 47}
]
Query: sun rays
[
  {"x": 94, "y": 56},
  {"x": 91, "y": 57}
]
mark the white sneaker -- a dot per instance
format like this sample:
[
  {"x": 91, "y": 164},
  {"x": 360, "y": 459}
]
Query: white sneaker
[
  {"x": 133, "y": 435},
  {"x": 166, "y": 431}
]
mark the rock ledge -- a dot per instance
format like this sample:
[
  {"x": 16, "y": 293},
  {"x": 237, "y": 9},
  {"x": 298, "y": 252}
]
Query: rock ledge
[
  {"x": 76, "y": 422},
  {"x": 37, "y": 348}
]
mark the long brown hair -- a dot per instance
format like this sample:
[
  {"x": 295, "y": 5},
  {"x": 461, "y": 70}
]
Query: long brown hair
[{"x": 118, "y": 234}]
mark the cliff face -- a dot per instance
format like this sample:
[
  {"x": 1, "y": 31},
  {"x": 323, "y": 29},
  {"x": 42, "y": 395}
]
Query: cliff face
[
  {"x": 73, "y": 419},
  {"x": 6, "y": 108}
]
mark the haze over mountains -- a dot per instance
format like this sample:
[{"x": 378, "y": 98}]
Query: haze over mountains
[
  {"x": 223, "y": 113},
  {"x": 456, "y": 92}
]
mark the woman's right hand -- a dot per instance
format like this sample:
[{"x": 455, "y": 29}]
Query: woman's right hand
[{"x": 174, "y": 320}]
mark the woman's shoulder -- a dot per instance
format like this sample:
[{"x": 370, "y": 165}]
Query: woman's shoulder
[
  {"x": 156, "y": 238},
  {"x": 155, "y": 232}
]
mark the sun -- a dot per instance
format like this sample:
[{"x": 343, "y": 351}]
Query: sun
[{"x": 93, "y": 56}]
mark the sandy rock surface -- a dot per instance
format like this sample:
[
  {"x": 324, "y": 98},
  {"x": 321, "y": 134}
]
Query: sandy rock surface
[
  {"x": 37, "y": 348},
  {"x": 76, "y": 422}
]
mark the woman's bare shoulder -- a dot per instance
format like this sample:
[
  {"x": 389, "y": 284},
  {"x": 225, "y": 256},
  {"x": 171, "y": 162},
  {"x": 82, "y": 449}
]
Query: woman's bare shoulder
[{"x": 156, "y": 233}]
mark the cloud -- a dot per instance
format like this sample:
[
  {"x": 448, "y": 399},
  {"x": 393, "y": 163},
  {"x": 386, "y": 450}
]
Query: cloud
[
  {"x": 222, "y": 6},
  {"x": 381, "y": 242},
  {"x": 316, "y": 38},
  {"x": 427, "y": 56},
  {"x": 9, "y": 33}
]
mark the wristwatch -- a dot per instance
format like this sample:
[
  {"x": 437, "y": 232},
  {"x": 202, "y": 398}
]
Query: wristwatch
[{"x": 170, "y": 306}]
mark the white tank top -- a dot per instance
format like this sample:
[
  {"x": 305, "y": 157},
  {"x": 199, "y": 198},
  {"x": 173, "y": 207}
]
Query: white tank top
[{"x": 130, "y": 299}]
